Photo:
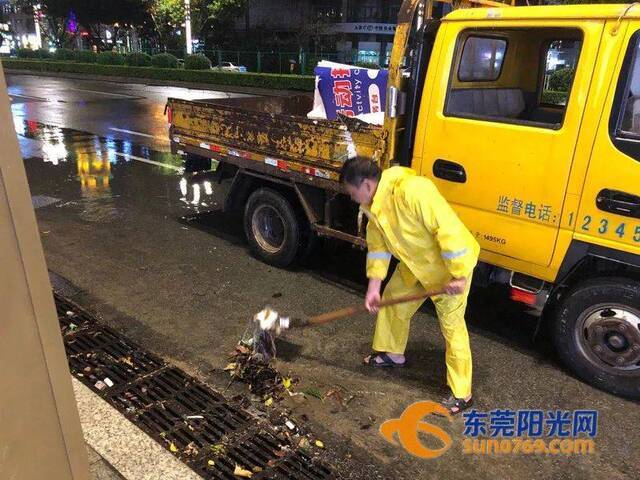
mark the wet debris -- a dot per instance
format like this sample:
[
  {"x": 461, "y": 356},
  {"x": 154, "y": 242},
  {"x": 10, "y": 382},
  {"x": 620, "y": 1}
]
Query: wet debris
[
  {"x": 340, "y": 396},
  {"x": 269, "y": 387},
  {"x": 191, "y": 450},
  {"x": 313, "y": 392},
  {"x": 218, "y": 449},
  {"x": 263, "y": 380},
  {"x": 241, "y": 472},
  {"x": 368, "y": 423},
  {"x": 127, "y": 361}
]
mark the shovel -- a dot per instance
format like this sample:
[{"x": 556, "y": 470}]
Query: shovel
[
  {"x": 353, "y": 310},
  {"x": 268, "y": 323}
]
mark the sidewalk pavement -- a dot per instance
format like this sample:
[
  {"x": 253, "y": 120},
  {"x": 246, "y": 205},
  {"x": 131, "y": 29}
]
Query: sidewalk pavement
[{"x": 99, "y": 468}]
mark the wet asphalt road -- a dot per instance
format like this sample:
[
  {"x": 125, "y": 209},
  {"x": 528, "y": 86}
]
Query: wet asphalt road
[{"x": 179, "y": 280}]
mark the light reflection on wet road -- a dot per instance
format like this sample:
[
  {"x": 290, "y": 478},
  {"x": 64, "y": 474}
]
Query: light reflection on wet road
[
  {"x": 124, "y": 111},
  {"x": 123, "y": 140}
]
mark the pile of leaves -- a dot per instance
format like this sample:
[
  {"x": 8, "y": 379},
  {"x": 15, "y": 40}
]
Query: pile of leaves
[{"x": 263, "y": 380}]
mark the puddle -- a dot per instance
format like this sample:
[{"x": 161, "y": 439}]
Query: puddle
[{"x": 81, "y": 165}]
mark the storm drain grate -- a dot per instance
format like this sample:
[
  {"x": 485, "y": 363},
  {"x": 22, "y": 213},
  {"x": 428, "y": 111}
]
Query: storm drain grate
[
  {"x": 193, "y": 421},
  {"x": 104, "y": 358},
  {"x": 301, "y": 465},
  {"x": 261, "y": 450},
  {"x": 70, "y": 317}
]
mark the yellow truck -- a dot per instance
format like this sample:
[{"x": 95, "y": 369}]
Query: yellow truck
[{"x": 528, "y": 121}]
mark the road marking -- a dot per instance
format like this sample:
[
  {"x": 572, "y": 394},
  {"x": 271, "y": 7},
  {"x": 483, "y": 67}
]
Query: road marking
[
  {"x": 106, "y": 93},
  {"x": 14, "y": 96},
  {"x": 146, "y": 160},
  {"x": 39, "y": 201},
  {"x": 124, "y": 130}
]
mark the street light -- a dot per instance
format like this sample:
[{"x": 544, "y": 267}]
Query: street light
[{"x": 187, "y": 26}]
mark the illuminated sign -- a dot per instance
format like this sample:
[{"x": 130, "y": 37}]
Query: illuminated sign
[{"x": 379, "y": 28}]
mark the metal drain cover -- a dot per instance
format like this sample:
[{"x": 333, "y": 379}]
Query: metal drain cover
[{"x": 194, "y": 422}]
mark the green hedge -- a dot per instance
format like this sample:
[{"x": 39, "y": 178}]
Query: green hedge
[
  {"x": 550, "y": 97},
  {"x": 164, "y": 60},
  {"x": 560, "y": 80},
  {"x": 110, "y": 58},
  {"x": 263, "y": 80},
  {"x": 86, "y": 56},
  {"x": 43, "y": 54},
  {"x": 27, "y": 53},
  {"x": 197, "y": 62},
  {"x": 371, "y": 65},
  {"x": 138, "y": 59},
  {"x": 64, "y": 54}
]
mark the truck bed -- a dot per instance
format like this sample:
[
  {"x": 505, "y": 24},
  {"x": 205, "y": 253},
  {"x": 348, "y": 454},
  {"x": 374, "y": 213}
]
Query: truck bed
[{"x": 271, "y": 130}]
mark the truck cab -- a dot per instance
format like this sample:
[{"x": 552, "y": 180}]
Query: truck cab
[{"x": 529, "y": 124}]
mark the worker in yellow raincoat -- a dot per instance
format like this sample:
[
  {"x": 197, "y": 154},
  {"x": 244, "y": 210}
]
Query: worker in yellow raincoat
[{"x": 410, "y": 220}]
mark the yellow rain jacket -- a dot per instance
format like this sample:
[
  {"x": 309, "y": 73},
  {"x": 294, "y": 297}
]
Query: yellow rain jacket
[{"x": 410, "y": 220}]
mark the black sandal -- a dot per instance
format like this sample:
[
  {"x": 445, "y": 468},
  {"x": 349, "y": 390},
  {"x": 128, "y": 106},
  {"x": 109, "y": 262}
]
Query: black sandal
[
  {"x": 385, "y": 361},
  {"x": 456, "y": 405}
]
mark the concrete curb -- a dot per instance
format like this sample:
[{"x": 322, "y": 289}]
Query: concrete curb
[{"x": 165, "y": 83}]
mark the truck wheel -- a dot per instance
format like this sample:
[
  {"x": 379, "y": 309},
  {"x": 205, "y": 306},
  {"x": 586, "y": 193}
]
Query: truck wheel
[
  {"x": 597, "y": 334},
  {"x": 272, "y": 227}
]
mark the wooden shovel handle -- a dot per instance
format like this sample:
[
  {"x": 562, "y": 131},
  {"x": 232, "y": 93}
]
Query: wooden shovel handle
[{"x": 349, "y": 311}]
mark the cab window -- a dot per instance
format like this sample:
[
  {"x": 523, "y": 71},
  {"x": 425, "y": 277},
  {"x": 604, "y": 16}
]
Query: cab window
[
  {"x": 521, "y": 76},
  {"x": 482, "y": 59},
  {"x": 625, "y": 118},
  {"x": 560, "y": 61}
]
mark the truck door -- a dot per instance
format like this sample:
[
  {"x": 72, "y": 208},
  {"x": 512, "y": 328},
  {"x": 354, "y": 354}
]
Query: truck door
[
  {"x": 609, "y": 212},
  {"x": 502, "y": 125}
]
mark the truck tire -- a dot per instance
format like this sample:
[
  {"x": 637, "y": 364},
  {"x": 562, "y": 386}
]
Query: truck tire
[
  {"x": 272, "y": 227},
  {"x": 597, "y": 334}
]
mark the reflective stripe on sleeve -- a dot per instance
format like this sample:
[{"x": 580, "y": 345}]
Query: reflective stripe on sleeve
[
  {"x": 378, "y": 256},
  {"x": 452, "y": 255}
]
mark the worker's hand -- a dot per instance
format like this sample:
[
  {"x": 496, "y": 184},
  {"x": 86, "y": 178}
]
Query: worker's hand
[
  {"x": 456, "y": 286},
  {"x": 372, "y": 299},
  {"x": 372, "y": 302}
]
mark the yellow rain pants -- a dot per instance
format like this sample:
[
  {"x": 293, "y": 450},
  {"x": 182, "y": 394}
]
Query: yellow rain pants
[
  {"x": 410, "y": 220},
  {"x": 392, "y": 327}
]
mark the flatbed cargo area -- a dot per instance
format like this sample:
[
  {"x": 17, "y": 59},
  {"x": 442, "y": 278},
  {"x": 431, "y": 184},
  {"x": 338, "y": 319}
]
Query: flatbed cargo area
[
  {"x": 272, "y": 130},
  {"x": 297, "y": 105}
]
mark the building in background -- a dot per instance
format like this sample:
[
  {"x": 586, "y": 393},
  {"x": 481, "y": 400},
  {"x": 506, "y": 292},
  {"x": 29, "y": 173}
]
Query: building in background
[
  {"x": 348, "y": 31},
  {"x": 355, "y": 30},
  {"x": 18, "y": 29}
]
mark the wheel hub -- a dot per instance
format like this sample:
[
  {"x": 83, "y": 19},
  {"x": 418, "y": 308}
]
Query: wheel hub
[
  {"x": 268, "y": 228},
  {"x": 613, "y": 336}
]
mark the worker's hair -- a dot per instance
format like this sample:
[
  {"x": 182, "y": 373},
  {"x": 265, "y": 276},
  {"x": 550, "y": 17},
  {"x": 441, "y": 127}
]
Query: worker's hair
[{"x": 358, "y": 169}]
